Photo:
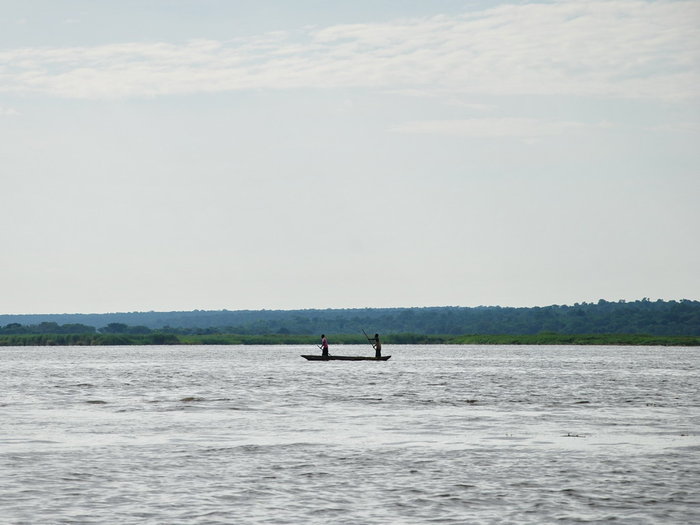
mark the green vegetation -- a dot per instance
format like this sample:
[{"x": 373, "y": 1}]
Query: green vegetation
[
  {"x": 407, "y": 338},
  {"x": 642, "y": 322},
  {"x": 342, "y": 339},
  {"x": 580, "y": 339},
  {"x": 666, "y": 318},
  {"x": 87, "y": 339}
]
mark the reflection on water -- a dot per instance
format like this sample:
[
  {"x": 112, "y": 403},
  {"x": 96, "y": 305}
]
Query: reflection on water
[{"x": 465, "y": 434}]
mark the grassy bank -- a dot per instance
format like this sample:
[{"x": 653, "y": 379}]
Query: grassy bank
[
  {"x": 87, "y": 339},
  {"x": 580, "y": 339},
  {"x": 339, "y": 339}
]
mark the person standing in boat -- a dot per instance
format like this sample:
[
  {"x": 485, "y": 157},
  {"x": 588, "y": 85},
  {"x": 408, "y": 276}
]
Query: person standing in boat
[
  {"x": 324, "y": 345},
  {"x": 377, "y": 346}
]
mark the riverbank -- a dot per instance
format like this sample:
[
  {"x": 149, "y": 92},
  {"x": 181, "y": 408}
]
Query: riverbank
[{"x": 343, "y": 339}]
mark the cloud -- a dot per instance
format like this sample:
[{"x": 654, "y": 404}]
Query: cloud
[
  {"x": 625, "y": 48},
  {"x": 677, "y": 127},
  {"x": 490, "y": 127},
  {"x": 8, "y": 112}
]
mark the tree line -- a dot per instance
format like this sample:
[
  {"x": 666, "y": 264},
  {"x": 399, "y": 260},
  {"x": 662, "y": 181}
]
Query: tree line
[
  {"x": 657, "y": 318},
  {"x": 158, "y": 338}
]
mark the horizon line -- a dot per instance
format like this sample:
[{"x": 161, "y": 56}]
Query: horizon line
[{"x": 618, "y": 301}]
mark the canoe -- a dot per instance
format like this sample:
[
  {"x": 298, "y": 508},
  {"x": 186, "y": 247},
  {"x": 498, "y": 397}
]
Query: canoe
[{"x": 344, "y": 358}]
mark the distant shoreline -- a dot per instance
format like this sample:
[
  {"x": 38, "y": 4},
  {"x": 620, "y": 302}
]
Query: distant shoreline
[
  {"x": 343, "y": 339},
  {"x": 663, "y": 318}
]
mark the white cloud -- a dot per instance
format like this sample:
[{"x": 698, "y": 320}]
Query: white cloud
[
  {"x": 8, "y": 112},
  {"x": 625, "y": 48},
  {"x": 490, "y": 127},
  {"x": 677, "y": 127}
]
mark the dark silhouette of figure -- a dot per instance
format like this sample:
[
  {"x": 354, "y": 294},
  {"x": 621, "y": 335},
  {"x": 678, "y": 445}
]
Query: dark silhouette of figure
[
  {"x": 377, "y": 347},
  {"x": 324, "y": 345}
]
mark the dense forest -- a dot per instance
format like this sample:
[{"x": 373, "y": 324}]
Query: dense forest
[
  {"x": 654, "y": 318},
  {"x": 158, "y": 338}
]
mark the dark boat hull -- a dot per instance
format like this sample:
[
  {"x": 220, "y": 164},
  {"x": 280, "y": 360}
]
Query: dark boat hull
[{"x": 344, "y": 358}]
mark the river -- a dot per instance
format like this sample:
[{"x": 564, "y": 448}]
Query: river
[{"x": 437, "y": 434}]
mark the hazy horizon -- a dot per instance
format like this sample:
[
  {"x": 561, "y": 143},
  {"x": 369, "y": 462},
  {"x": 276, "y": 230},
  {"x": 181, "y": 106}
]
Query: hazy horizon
[
  {"x": 342, "y": 308},
  {"x": 170, "y": 156}
]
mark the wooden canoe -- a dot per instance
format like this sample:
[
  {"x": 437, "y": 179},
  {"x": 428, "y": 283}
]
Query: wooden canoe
[{"x": 344, "y": 358}]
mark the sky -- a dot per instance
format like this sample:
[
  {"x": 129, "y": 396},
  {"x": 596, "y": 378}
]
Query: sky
[{"x": 211, "y": 154}]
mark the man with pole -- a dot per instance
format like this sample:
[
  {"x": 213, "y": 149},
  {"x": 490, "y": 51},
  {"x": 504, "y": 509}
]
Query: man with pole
[{"x": 376, "y": 344}]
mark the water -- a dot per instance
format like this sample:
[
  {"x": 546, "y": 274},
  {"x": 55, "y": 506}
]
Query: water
[{"x": 466, "y": 434}]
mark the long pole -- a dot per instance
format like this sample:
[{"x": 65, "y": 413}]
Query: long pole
[{"x": 369, "y": 339}]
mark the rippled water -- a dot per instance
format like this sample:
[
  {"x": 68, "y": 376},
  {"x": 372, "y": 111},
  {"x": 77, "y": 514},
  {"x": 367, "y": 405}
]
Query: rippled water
[{"x": 465, "y": 434}]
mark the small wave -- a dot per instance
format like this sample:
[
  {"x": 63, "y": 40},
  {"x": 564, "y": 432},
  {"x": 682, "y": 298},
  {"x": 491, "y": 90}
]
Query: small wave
[
  {"x": 14, "y": 441},
  {"x": 192, "y": 399},
  {"x": 96, "y": 402},
  {"x": 447, "y": 402}
]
